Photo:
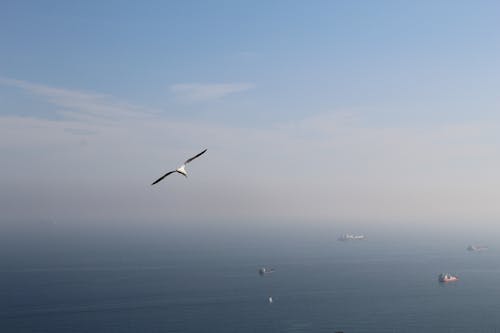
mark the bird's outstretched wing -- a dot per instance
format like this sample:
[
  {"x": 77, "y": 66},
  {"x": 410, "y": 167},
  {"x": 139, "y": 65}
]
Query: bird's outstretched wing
[
  {"x": 192, "y": 158},
  {"x": 161, "y": 178}
]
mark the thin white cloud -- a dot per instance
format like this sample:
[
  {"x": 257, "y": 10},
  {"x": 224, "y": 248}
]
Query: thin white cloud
[
  {"x": 79, "y": 105},
  {"x": 197, "y": 92}
]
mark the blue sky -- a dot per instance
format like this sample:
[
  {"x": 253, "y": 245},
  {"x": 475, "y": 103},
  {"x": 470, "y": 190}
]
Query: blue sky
[
  {"x": 302, "y": 59},
  {"x": 388, "y": 106}
]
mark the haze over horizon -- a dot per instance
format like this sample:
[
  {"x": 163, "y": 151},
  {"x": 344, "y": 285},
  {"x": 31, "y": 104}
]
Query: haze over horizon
[{"x": 373, "y": 112}]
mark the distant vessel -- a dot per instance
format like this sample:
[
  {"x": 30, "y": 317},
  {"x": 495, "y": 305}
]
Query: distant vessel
[
  {"x": 350, "y": 237},
  {"x": 476, "y": 248},
  {"x": 270, "y": 299},
  {"x": 263, "y": 270},
  {"x": 445, "y": 277}
]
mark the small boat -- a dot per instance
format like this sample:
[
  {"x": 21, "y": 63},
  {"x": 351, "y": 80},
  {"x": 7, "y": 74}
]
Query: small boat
[
  {"x": 270, "y": 299},
  {"x": 264, "y": 271},
  {"x": 351, "y": 237},
  {"x": 445, "y": 277},
  {"x": 476, "y": 248}
]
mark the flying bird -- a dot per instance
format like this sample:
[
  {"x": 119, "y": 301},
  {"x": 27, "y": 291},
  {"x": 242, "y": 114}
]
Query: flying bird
[{"x": 181, "y": 169}]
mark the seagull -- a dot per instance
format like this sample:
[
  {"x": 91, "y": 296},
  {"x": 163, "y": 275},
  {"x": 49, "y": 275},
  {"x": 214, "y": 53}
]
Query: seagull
[{"x": 181, "y": 169}]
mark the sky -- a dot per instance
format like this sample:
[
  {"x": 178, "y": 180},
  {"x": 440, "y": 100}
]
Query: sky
[{"x": 312, "y": 112}]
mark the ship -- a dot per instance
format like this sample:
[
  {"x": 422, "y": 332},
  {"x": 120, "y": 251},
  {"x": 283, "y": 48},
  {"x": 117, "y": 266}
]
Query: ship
[
  {"x": 446, "y": 277},
  {"x": 476, "y": 248},
  {"x": 351, "y": 237},
  {"x": 264, "y": 270}
]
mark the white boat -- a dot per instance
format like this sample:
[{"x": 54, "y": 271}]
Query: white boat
[{"x": 351, "y": 237}]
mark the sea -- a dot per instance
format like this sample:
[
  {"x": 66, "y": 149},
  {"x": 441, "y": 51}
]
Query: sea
[{"x": 204, "y": 279}]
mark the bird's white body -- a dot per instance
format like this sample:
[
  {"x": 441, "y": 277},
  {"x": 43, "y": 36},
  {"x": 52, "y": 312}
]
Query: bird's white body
[{"x": 182, "y": 170}]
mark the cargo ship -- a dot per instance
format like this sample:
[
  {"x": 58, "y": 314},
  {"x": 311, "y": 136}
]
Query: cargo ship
[
  {"x": 351, "y": 237},
  {"x": 476, "y": 248}
]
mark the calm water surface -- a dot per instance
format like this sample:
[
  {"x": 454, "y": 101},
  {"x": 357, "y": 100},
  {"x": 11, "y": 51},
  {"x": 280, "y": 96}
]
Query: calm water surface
[{"x": 186, "y": 282}]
